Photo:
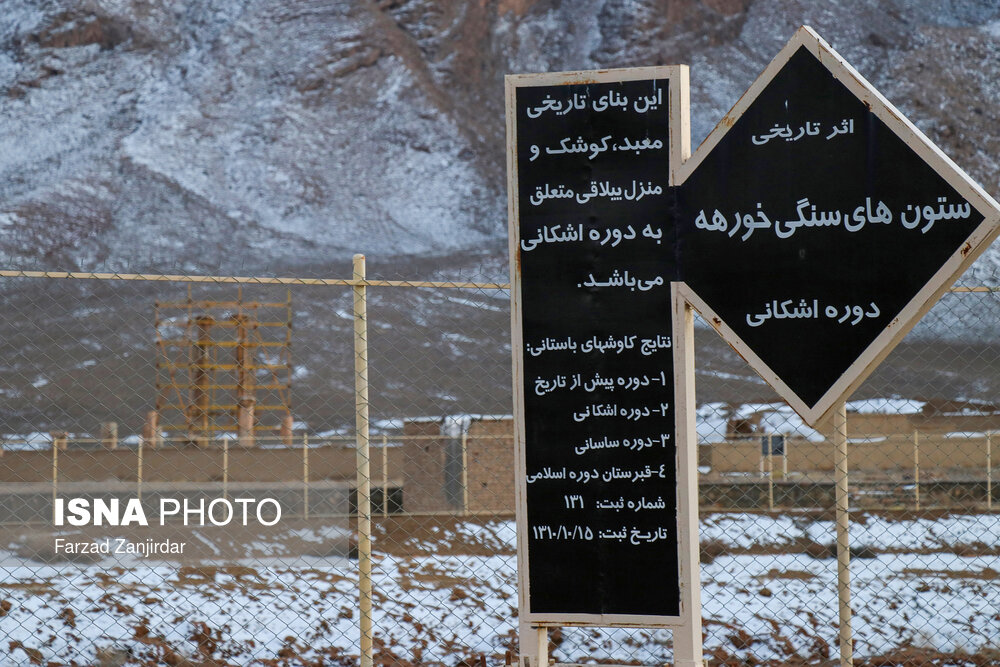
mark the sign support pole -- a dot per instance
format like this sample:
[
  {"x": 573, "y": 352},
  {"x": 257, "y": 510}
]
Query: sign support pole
[
  {"x": 527, "y": 640},
  {"x": 843, "y": 543},
  {"x": 687, "y": 636},
  {"x": 542, "y": 635}
]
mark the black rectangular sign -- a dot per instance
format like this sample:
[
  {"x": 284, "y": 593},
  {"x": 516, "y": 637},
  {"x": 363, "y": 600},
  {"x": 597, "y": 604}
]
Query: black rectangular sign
[{"x": 593, "y": 264}]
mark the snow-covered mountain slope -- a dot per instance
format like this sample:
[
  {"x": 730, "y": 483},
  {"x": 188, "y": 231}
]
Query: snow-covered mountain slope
[
  {"x": 248, "y": 135},
  {"x": 260, "y": 137}
]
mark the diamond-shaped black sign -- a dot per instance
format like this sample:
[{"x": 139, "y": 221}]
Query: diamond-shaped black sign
[{"x": 816, "y": 225}]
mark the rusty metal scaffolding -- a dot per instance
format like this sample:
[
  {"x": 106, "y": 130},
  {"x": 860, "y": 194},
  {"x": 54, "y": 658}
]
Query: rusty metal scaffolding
[{"x": 223, "y": 367}]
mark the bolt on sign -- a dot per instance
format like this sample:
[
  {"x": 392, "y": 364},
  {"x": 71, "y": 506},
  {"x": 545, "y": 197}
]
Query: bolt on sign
[{"x": 813, "y": 228}]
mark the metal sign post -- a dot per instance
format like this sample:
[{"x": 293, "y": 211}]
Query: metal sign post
[{"x": 843, "y": 535}]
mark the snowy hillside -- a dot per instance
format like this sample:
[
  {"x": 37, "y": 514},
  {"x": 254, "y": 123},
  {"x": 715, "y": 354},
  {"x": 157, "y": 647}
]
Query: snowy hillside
[
  {"x": 255, "y": 137},
  {"x": 250, "y": 135}
]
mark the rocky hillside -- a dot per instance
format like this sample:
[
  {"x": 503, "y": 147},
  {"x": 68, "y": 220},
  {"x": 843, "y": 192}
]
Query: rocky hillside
[
  {"x": 263, "y": 137},
  {"x": 251, "y": 135}
]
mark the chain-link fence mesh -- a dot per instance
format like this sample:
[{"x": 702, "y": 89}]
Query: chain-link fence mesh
[{"x": 203, "y": 405}]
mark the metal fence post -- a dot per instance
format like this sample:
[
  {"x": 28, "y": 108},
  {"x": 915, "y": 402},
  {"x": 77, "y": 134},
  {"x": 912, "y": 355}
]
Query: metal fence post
[
  {"x": 843, "y": 538},
  {"x": 916, "y": 468},
  {"x": 109, "y": 435},
  {"x": 762, "y": 459},
  {"x": 364, "y": 503},
  {"x": 770, "y": 473},
  {"x": 305, "y": 475},
  {"x": 989, "y": 470},
  {"x": 385, "y": 476},
  {"x": 225, "y": 468},
  {"x": 465, "y": 472},
  {"x": 55, "y": 476},
  {"x": 138, "y": 471}
]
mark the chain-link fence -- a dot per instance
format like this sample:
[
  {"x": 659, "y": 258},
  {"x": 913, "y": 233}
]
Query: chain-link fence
[{"x": 186, "y": 461}]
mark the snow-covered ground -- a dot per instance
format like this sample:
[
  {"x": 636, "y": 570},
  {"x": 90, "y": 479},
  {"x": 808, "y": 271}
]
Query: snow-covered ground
[{"x": 922, "y": 583}]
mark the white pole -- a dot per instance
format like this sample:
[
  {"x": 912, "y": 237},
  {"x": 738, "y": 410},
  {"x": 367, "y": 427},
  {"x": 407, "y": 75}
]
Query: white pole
[
  {"x": 225, "y": 468},
  {"x": 843, "y": 538},
  {"x": 688, "y": 650},
  {"x": 385, "y": 476},
  {"x": 305, "y": 475},
  {"x": 543, "y": 647},
  {"x": 138, "y": 472},
  {"x": 916, "y": 468},
  {"x": 762, "y": 455},
  {"x": 528, "y": 649},
  {"x": 55, "y": 475},
  {"x": 465, "y": 472},
  {"x": 364, "y": 501},
  {"x": 770, "y": 473},
  {"x": 989, "y": 471}
]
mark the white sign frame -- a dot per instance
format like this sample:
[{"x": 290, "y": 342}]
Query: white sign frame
[{"x": 688, "y": 623}]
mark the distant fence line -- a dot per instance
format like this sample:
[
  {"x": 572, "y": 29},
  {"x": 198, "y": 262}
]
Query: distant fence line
[{"x": 465, "y": 474}]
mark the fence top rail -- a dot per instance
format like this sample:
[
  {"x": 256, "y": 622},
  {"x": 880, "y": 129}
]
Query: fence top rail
[
  {"x": 289, "y": 280},
  {"x": 259, "y": 280}
]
